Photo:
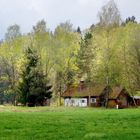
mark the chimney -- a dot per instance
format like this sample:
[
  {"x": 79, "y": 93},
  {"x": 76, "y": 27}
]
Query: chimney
[{"x": 82, "y": 83}]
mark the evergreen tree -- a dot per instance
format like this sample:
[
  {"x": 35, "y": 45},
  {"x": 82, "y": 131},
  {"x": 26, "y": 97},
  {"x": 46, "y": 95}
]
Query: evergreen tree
[
  {"x": 130, "y": 19},
  {"x": 78, "y": 30},
  {"x": 33, "y": 89}
]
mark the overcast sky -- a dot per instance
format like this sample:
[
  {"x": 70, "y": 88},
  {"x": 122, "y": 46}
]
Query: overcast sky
[{"x": 81, "y": 13}]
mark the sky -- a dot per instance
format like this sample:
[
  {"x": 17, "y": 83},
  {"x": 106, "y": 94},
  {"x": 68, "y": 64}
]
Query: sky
[{"x": 83, "y": 13}]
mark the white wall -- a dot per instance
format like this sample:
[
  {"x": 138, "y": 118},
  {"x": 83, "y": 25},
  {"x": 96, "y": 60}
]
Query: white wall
[{"x": 81, "y": 102}]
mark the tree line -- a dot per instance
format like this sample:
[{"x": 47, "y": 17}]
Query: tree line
[{"x": 41, "y": 64}]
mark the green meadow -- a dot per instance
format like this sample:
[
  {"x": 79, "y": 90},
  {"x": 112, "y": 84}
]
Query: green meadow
[{"x": 59, "y": 123}]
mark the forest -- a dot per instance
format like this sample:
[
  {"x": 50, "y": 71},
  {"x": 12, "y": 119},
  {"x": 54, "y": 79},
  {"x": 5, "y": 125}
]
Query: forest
[{"x": 43, "y": 63}]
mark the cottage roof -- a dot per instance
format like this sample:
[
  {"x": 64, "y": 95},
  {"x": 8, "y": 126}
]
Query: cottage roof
[
  {"x": 116, "y": 91},
  {"x": 83, "y": 91}
]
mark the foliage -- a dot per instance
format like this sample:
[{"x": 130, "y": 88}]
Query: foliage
[
  {"x": 12, "y": 32},
  {"x": 107, "y": 53},
  {"x": 85, "y": 56},
  {"x": 33, "y": 88},
  {"x": 109, "y": 15}
]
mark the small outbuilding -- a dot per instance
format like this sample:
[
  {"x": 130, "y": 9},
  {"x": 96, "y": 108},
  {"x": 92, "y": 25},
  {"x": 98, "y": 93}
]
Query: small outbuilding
[{"x": 118, "y": 97}]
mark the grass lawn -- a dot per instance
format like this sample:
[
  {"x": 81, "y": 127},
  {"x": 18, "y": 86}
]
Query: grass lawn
[{"x": 48, "y": 123}]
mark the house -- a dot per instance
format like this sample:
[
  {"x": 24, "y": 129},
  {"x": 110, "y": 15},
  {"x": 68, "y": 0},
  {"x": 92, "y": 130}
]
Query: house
[
  {"x": 118, "y": 96},
  {"x": 83, "y": 95},
  {"x": 96, "y": 96}
]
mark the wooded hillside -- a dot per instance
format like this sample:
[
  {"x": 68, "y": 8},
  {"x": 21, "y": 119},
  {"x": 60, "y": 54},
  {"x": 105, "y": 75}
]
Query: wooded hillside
[{"x": 107, "y": 53}]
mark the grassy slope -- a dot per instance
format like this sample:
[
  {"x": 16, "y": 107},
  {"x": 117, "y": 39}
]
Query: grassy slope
[{"x": 68, "y": 124}]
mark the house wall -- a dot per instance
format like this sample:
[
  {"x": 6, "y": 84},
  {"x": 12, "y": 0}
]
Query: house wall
[
  {"x": 96, "y": 103},
  {"x": 137, "y": 102},
  {"x": 123, "y": 101},
  {"x": 112, "y": 103},
  {"x": 81, "y": 102}
]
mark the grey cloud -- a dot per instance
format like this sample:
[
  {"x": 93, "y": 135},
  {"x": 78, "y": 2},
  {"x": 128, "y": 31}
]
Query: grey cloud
[{"x": 80, "y": 12}]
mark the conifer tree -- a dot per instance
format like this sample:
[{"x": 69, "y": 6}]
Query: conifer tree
[{"x": 33, "y": 89}]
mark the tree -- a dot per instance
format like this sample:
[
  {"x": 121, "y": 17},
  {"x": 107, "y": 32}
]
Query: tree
[
  {"x": 40, "y": 27},
  {"x": 109, "y": 15},
  {"x": 64, "y": 78},
  {"x": 135, "y": 55},
  {"x": 65, "y": 27},
  {"x": 92, "y": 27},
  {"x": 10, "y": 54},
  {"x": 43, "y": 41},
  {"x": 33, "y": 88},
  {"x": 78, "y": 30},
  {"x": 13, "y": 32},
  {"x": 130, "y": 19},
  {"x": 109, "y": 21},
  {"x": 85, "y": 56},
  {"x": 66, "y": 45}
]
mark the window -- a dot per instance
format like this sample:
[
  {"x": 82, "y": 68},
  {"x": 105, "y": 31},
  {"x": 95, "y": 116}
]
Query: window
[
  {"x": 72, "y": 101},
  {"x": 93, "y": 100},
  {"x": 83, "y": 101}
]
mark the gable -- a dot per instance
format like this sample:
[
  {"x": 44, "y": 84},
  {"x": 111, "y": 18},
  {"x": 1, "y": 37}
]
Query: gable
[{"x": 116, "y": 92}]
